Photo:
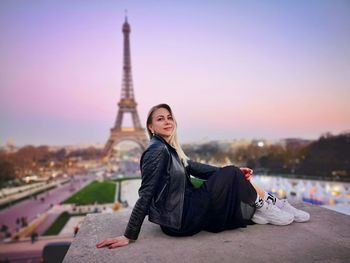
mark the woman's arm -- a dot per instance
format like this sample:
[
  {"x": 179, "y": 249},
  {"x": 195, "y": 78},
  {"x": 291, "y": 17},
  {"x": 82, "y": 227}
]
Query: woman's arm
[
  {"x": 200, "y": 170},
  {"x": 153, "y": 162},
  {"x": 152, "y": 166}
]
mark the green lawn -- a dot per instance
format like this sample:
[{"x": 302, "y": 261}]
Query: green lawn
[
  {"x": 56, "y": 227},
  {"x": 95, "y": 192},
  {"x": 59, "y": 223}
]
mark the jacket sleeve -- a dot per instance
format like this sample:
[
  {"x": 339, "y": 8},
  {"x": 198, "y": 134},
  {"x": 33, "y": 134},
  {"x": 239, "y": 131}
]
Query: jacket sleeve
[
  {"x": 200, "y": 170},
  {"x": 153, "y": 163}
]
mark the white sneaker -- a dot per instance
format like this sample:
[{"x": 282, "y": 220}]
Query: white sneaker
[
  {"x": 299, "y": 215},
  {"x": 271, "y": 214}
]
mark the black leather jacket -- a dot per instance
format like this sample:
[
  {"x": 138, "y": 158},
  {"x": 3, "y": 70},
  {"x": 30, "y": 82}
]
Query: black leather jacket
[{"x": 162, "y": 190}]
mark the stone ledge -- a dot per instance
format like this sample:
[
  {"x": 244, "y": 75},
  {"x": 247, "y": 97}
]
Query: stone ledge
[{"x": 326, "y": 238}]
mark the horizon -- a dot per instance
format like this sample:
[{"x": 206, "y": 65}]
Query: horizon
[
  {"x": 271, "y": 70},
  {"x": 201, "y": 141}
]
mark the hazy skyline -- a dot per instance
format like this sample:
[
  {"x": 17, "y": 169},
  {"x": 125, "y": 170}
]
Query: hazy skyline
[{"x": 229, "y": 69}]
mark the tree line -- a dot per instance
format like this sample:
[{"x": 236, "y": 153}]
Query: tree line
[
  {"x": 329, "y": 156},
  {"x": 31, "y": 160}
]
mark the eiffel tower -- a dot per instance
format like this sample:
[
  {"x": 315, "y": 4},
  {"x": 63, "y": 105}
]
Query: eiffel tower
[{"x": 127, "y": 104}]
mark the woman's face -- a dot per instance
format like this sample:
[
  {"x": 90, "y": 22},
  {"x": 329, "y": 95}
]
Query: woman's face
[{"x": 162, "y": 123}]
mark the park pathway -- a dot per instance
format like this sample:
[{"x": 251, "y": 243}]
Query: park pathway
[{"x": 31, "y": 208}]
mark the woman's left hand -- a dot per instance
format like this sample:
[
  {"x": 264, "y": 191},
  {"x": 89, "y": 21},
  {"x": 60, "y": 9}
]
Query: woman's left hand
[
  {"x": 248, "y": 173},
  {"x": 113, "y": 242}
]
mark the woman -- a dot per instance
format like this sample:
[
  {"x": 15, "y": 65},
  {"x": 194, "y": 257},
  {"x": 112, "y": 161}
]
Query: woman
[{"x": 226, "y": 200}]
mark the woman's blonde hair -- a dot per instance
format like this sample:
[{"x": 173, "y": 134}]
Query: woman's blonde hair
[{"x": 173, "y": 141}]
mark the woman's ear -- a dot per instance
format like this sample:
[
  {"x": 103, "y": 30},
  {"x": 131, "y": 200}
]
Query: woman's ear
[{"x": 150, "y": 127}]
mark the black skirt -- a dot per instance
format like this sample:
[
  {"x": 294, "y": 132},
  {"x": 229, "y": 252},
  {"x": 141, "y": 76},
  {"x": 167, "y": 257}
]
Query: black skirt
[{"x": 225, "y": 201}]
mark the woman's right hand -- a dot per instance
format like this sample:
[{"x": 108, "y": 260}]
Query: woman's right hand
[
  {"x": 113, "y": 242},
  {"x": 248, "y": 173}
]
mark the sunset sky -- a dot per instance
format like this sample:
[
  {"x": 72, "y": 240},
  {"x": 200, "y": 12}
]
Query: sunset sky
[{"x": 229, "y": 69}]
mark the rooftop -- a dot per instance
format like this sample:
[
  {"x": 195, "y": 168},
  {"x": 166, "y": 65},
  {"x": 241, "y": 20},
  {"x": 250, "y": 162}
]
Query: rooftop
[{"x": 325, "y": 238}]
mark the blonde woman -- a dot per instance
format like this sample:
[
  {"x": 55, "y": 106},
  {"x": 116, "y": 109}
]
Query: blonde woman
[{"x": 226, "y": 200}]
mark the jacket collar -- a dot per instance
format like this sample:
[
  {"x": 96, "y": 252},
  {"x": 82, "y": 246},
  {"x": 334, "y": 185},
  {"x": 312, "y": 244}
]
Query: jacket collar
[{"x": 160, "y": 138}]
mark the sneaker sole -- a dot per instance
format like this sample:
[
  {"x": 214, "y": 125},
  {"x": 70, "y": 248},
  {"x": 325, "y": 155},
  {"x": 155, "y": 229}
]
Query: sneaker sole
[
  {"x": 283, "y": 223},
  {"x": 259, "y": 220},
  {"x": 301, "y": 220},
  {"x": 262, "y": 221}
]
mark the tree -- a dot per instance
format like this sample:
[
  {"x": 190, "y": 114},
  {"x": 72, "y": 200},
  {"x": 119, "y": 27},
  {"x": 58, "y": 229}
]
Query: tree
[
  {"x": 7, "y": 172},
  {"x": 327, "y": 155}
]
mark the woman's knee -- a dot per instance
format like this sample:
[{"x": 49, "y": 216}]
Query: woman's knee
[{"x": 233, "y": 172}]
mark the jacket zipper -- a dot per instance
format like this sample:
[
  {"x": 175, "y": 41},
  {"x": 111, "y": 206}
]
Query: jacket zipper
[{"x": 161, "y": 193}]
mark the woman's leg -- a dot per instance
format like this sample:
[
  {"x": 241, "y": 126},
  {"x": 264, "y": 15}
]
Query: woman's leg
[
  {"x": 229, "y": 192},
  {"x": 265, "y": 211},
  {"x": 259, "y": 190}
]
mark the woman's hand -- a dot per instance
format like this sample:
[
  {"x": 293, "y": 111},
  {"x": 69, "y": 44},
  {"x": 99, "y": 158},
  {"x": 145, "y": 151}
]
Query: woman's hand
[
  {"x": 248, "y": 173},
  {"x": 114, "y": 242}
]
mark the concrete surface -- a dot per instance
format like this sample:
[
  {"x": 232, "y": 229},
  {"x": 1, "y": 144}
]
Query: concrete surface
[
  {"x": 325, "y": 238},
  {"x": 340, "y": 208}
]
